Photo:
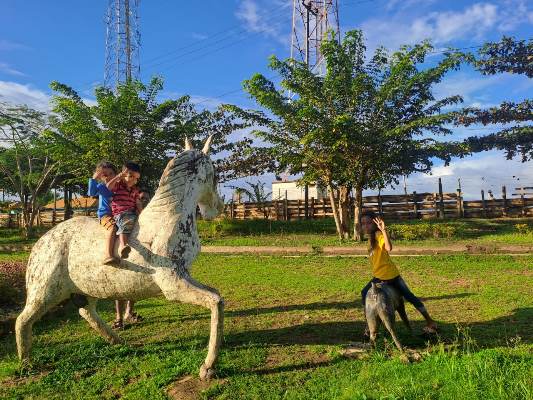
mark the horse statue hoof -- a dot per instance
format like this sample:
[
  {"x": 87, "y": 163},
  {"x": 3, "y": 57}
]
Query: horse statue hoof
[{"x": 206, "y": 373}]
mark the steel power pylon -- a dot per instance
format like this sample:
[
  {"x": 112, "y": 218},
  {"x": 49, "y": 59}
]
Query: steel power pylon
[
  {"x": 311, "y": 19},
  {"x": 123, "y": 41}
]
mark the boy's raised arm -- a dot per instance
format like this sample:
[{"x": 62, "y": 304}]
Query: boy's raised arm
[
  {"x": 113, "y": 182},
  {"x": 92, "y": 187}
]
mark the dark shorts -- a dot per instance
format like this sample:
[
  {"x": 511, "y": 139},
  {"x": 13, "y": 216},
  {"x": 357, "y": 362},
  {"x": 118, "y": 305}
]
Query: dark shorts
[{"x": 125, "y": 222}]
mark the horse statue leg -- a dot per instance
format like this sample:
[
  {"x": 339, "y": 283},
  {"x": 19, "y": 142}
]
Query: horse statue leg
[
  {"x": 46, "y": 288},
  {"x": 91, "y": 316},
  {"x": 186, "y": 290}
]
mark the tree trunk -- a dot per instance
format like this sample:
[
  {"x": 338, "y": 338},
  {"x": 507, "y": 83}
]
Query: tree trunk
[
  {"x": 344, "y": 204},
  {"x": 66, "y": 199},
  {"x": 335, "y": 212},
  {"x": 358, "y": 210}
]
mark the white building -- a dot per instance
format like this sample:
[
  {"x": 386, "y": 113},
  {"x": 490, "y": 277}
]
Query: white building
[{"x": 289, "y": 190}]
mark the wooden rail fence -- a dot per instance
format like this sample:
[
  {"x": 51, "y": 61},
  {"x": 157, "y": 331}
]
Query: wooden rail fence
[{"x": 410, "y": 206}]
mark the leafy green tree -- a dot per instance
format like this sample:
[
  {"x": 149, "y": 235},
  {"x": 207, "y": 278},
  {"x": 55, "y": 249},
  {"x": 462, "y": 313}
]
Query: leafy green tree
[
  {"x": 362, "y": 125},
  {"x": 131, "y": 124},
  {"x": 511, "y": 56},
  {"x": 28, "y": 168}
]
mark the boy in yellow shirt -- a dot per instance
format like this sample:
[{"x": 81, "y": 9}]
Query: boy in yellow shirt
[{"x": 384, "y": 270}]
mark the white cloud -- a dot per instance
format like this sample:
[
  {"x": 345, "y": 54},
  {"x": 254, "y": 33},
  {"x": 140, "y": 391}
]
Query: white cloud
[
  {"x": 199, "y": 36},
  {"x": 470, "y": 87},
  {"x": 17, "y": 93},
  {"x": 485, "y": 171},
  {"x": 257, "y": 21},
  {"x": 6, "y": 45},
  {"x": 444, "y": 27},
  {"x": 6, "y": 68}
]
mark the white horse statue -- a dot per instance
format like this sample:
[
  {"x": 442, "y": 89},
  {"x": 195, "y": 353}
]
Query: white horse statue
[{"x": 164, "y": 243}]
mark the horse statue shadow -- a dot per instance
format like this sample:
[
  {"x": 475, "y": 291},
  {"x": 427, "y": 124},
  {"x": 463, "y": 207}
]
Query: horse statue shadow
[{"x": 164, "y": 244}]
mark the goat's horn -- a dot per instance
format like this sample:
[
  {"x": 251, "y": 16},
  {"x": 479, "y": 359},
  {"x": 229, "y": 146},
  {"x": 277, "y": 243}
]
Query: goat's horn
[
  {"x": 188, "y": 144},
  {"x": 207, "y": 145}
]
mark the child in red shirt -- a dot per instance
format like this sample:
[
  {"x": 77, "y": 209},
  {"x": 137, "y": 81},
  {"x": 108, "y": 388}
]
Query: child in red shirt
[{"x": 125, "y": 204}]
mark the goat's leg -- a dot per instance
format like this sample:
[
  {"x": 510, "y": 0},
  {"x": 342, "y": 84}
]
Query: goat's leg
[
  {"x": 403, "y": 315},
  {"x": 186, "y": 290},
  {"x": 388, "y": 321},
  {"x": 91, "y": 316}
]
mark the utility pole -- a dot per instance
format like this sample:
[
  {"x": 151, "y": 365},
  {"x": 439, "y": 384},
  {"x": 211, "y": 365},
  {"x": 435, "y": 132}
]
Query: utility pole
[
  {"x": 311, "y": 20},
  {"x": 123, "y": 42}
]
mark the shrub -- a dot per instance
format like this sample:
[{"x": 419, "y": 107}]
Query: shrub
[
  {"x": 523, "y": 228},
  {"x": 423, "y": 230}
]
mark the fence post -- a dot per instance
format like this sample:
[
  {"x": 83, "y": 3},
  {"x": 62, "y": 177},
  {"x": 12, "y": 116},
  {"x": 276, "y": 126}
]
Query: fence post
[
  {"x": 285, "y": 208},
  {"x": 55, "y": 208},
  {"x": 9, "y": 220},
  {"x": 415, "y": 205},
  {"x": 380, "y": 204},
  {"x": 483, "y": 203},
  {"x": 324, "y": 207},
  {"x": 523, "y": 198},
  {"x": 306, "y": 199},
  {"x": 441, "y": 200},
  {"x": 299, "y": 209},
  {"x": 459, "y": 204},
  {"x": 504, "y": 198},
  {"x": 435, "y": 206},
  {"x": 312, "y": 208}
]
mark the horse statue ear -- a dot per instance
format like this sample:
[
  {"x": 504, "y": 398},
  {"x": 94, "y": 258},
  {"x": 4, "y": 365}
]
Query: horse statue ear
[
  {"x": 207, "y": 145},
  {"x": 188, "y": 144}
]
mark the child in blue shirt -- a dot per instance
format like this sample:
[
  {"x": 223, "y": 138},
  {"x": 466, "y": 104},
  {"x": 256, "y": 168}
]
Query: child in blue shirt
[{"x": 105, "y": 171}]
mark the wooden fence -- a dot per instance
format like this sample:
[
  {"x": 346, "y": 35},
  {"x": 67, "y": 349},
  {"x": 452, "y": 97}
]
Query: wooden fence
[
  {"x": 410, "y": 206},
  {"x": 44, "y": 217}
]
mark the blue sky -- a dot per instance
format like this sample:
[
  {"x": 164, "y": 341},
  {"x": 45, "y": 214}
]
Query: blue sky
[{"x": 206, "y": 49}]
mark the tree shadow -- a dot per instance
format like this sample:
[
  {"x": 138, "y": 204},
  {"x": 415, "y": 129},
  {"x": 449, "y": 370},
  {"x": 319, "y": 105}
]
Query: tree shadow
[
  {"x": 316, "y": 306},
  {"x": 485, "y": 334}
]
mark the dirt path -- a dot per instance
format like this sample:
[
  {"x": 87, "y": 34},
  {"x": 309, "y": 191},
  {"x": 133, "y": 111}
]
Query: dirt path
[
  {"x": 361, "y": 251},
  {"x": 486, "y": 248}
]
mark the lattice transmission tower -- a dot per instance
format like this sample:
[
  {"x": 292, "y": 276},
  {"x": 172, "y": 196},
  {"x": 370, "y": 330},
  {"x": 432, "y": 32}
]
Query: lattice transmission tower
[
  {"x": 311, "y": 19},
  {"x": 123, "y": 41}
]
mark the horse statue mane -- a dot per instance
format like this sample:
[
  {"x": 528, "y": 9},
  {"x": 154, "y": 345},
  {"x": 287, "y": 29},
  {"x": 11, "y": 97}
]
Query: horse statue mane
[{"x": 164, "y": 244}]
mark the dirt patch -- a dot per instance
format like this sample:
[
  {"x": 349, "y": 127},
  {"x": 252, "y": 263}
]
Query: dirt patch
[
  {"x": 23, "y": 380},
  {"x": 279, "y": 356},
  {"x": 357, "y": 350},
  {"x": 12, "y": 293},
  {"x": 190, "y": 387},
  {"x": 463, "y": 283}
]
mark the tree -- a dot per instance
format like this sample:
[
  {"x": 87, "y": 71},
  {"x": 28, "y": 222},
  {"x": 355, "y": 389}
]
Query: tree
[
  {"x": 360, "y": 126},
  {"x": 511, "y": 56},
  {"x": 27, "y": 166},
  {"x": 130, "y": 124}
]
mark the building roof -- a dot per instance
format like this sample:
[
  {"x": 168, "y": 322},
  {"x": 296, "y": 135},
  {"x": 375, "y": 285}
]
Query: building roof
[{"x": 77, "y": 202}]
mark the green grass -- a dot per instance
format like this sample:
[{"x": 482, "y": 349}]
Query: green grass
[
  {"x": 10, "y": 236},
  {"x": 287, "y": 320},
  {"x": 13, "y": 255},
  {"x": 321, "y": 232}
]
